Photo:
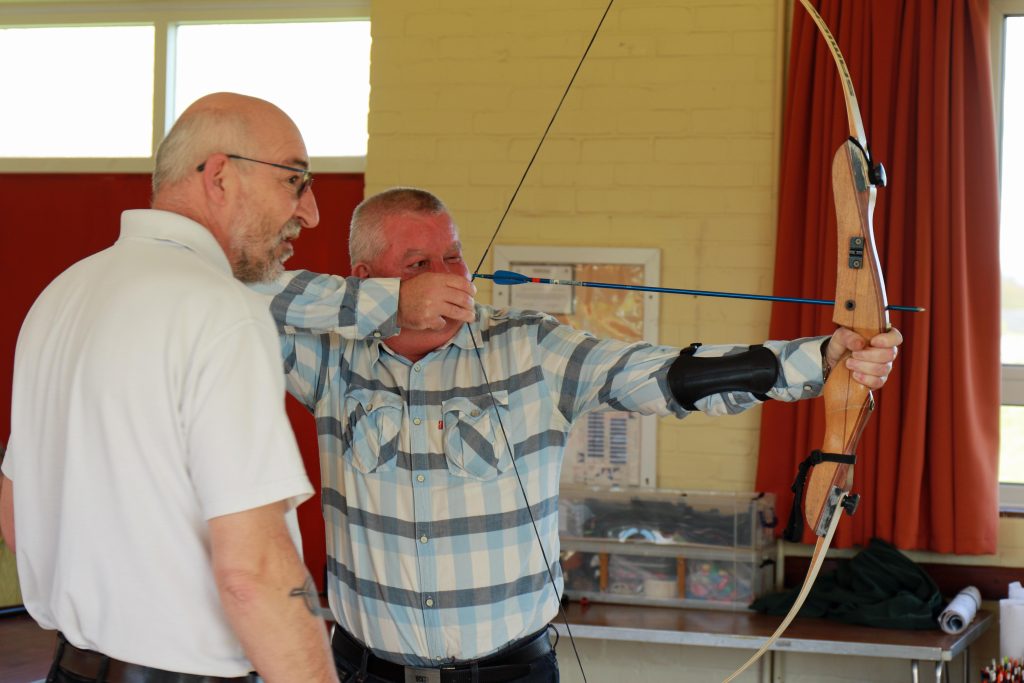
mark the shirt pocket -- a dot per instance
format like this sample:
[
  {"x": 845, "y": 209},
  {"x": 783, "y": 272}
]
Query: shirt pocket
[
  {"x": 374, "y": 430},
  {"x": 474, "y": 445}
]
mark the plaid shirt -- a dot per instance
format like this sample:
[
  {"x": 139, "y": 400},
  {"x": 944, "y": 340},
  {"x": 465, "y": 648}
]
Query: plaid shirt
[{"x": 431, "y": 554}]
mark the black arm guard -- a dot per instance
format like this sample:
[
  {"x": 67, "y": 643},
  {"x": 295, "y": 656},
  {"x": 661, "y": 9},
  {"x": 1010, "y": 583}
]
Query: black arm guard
[{"x": 691, "y": 378}]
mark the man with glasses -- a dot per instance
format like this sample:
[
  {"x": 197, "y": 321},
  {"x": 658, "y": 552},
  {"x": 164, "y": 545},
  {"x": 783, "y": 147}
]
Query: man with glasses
[{"x": 155, "y": 468}]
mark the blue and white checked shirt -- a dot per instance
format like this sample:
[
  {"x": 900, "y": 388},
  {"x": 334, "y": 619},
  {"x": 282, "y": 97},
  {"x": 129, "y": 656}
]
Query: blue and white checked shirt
[{"x": 431, "y": 554}]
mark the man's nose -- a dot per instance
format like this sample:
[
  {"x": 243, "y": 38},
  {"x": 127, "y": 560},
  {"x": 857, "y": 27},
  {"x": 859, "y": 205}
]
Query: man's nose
[{"x": 307, "y": 212}]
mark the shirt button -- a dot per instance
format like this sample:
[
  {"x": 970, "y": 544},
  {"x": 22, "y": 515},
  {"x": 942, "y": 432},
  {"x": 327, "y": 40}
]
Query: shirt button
[
  {"x": 376, "y": 333},
  {"x": 430, "y": 602},
  {"x": 475, "y": 413},
  {"x": 420, "y": 478},
  {"x": 423, "y": 539},
  {"x": 417, "y": 421},
  {"x": 416, "y": 367}
]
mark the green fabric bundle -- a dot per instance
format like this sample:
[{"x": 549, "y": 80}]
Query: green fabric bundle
[{"x": 880, "y": 586}]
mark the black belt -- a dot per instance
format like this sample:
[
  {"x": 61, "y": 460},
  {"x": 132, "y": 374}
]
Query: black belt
[
  {"x": 103, "y": 669},
  {"x": 507, "y": 664}
]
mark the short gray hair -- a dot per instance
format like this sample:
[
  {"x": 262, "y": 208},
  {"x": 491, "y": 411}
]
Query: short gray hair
[
  {"x": 193, "y": 138},
  {"x": 366, "y": 240}
]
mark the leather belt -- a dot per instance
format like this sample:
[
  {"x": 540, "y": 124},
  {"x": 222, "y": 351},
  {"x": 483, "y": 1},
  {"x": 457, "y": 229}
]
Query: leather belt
[
  {"x": 103, "y": 669},
  {"x": 511, "y": 663}
]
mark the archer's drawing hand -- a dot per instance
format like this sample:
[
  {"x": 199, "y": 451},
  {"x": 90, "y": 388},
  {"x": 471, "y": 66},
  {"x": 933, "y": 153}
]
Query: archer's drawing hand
[
  {"x": 870, "y": 361},
  {"x": 429, "y": 301}
]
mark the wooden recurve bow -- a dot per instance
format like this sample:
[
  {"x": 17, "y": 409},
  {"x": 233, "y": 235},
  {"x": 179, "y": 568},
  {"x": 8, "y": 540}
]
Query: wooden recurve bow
[{"x": 860, "y": 305}]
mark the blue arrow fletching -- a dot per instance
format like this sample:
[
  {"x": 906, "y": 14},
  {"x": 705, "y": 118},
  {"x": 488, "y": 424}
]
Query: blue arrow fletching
[{"x": 507, "y": 277}]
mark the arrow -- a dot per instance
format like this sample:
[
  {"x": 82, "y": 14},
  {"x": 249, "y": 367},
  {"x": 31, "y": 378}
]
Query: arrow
[{"x": 507, "y": 277}]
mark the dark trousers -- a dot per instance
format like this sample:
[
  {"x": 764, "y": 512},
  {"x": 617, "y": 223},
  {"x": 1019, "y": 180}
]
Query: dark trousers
[{"x": 358, "y": 666}]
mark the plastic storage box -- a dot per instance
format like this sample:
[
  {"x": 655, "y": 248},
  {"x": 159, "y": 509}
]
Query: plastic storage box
[{"x": 705, "y": 549}]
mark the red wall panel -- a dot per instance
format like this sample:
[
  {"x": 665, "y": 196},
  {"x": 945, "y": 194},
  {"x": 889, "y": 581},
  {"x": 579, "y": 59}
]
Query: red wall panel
[{"x": 49, "y": 221}]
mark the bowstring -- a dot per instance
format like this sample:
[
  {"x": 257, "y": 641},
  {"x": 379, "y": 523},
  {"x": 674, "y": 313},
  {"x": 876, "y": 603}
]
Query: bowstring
[{"x": 476, "y": 347}]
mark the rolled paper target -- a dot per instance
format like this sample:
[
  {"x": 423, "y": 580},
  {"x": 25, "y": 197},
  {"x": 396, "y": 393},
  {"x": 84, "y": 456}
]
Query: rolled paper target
[{"x": 959, "y": 613}]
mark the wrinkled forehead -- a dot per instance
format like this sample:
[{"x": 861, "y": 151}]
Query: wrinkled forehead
[{"x": 433, "y": 225}]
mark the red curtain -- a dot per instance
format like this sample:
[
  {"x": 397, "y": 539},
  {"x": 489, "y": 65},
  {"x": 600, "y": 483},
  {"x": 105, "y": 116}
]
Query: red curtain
[
  {"x": 49, "y": 221},
  {"x": 928, "y": 461}
]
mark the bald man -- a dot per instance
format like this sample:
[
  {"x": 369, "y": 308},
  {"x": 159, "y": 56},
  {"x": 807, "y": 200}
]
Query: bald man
[{"x": 151, "y": 476}]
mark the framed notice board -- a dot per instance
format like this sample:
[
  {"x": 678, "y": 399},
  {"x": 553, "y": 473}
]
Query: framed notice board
[{"x": 607, "y": 447}]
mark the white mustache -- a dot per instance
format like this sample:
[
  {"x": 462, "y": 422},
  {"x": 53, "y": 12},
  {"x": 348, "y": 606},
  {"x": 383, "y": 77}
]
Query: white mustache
[{"x": 291, "y": 231}]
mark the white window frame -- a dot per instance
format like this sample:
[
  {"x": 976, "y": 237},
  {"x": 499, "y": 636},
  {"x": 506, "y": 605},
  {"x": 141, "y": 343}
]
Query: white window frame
[
  {"x": 165, "y": 15},
  {"x": 1011, "y": 496}
]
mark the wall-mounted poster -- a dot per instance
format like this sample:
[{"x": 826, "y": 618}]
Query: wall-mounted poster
[{"x": 607, "y": 447}]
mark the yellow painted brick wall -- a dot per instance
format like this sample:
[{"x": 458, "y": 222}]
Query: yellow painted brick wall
[
  {"x": 10, "y": 591},
  {"x": 668, "y": 139}
]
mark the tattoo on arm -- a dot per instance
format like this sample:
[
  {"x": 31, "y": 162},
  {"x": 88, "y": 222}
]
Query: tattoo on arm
[{"x": 308, "y": 593}]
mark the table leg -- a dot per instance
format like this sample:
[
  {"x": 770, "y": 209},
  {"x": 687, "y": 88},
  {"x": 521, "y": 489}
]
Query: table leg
[
  {"x": 967, "y": 664},
  {"x": 940, "y": 668},
  {"x": 914, "y": 671}
]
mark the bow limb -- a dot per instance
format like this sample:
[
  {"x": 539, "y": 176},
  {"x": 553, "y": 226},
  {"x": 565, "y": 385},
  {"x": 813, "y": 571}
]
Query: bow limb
[
  {"x": 820, "y": 549},
  {"x": 849, "y": 95}
]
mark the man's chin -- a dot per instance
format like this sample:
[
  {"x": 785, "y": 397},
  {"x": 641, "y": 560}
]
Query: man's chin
[
  {"x": 438, "y": 337},
  {"x": 276, "y": 266},
  {"x": 418, "y": 343}
]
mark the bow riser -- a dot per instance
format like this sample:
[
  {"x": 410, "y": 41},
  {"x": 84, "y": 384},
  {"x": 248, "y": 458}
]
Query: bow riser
[
  {"x": 859, "y": 273},
  {"x": 848, "y": 404}
]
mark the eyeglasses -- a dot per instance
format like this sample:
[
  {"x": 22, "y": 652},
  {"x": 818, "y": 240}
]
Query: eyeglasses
[{"x": 305, "y": 174}]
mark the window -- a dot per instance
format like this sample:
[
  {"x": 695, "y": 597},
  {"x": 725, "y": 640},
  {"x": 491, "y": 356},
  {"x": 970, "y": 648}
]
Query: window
[
  {"x": 63, "y": 108},
  {"x": 324, "y": 84},
  {"x": 102, "y": 82},
  {"x": 1008, "y": 79}
]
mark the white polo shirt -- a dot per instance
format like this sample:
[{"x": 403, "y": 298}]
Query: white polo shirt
[{"x": 148, "y": 398}]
